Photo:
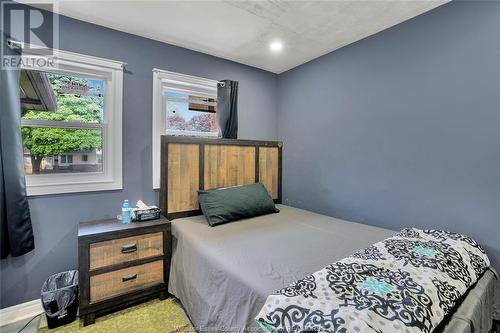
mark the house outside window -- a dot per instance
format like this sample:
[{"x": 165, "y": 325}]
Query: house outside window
[
  {"x": 182, "y": 105},
  {"x": 69, "y": 111}
]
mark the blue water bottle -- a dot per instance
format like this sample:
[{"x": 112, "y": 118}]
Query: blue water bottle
[{"x": 126, "y": 212}]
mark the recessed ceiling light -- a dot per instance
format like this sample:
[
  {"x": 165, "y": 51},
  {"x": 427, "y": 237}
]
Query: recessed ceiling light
[{"x": 276, "y": 46}]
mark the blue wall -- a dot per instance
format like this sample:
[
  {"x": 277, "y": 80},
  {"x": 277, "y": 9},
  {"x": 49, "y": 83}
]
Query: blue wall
[
  {"x": 403, "y": 127},
  {"x": 55, "y": 218}
]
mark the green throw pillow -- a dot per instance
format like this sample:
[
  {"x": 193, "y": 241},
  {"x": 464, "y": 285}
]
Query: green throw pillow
[{"x": 234, "y": 203}]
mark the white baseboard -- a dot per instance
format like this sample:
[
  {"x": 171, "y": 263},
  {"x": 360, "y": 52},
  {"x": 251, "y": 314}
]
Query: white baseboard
[{"x": 20, "y": 312}]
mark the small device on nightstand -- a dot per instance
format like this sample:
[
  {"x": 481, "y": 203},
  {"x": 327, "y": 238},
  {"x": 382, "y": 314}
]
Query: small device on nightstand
[{"x": 121, "y": 264}]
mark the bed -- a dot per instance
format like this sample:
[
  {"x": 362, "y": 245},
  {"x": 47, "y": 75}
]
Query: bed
[{"x": 222, "y": 275}]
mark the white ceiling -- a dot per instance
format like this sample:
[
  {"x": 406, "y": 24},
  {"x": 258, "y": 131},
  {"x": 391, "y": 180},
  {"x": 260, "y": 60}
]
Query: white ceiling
[{"x": 242, "y": 30}]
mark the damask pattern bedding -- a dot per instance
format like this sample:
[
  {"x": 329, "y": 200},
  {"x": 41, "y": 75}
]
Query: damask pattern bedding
[{"x": 408, "y": 282}]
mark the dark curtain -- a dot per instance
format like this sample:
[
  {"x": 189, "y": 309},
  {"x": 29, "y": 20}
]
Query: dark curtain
[
  {"x": 227, "y": 109},
  {"x": 16, "y": 233}
]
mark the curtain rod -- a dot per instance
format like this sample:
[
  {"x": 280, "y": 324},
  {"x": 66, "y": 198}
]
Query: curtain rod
[
  {"x": 15, "y": 44},
  {"x": 157, "y": 70}
]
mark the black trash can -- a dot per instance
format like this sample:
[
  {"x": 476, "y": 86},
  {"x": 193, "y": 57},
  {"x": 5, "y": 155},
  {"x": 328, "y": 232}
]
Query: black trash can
[{"x": 60, "y": 298}]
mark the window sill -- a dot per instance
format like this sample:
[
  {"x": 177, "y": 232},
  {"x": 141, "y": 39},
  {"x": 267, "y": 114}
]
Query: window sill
[{"x": 73, "y": 188}]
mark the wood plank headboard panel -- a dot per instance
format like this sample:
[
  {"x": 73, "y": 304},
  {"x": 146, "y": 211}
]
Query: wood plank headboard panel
[{"x": 189, "y": 164}]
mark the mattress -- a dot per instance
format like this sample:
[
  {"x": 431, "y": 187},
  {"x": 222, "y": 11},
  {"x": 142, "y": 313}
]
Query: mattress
[{"x": 222, "y": 275}]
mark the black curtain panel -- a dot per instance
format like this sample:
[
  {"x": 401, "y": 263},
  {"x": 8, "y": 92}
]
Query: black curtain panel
[
  {"x": 16, "y": 236},
  {"x": 227, "y": 109}
]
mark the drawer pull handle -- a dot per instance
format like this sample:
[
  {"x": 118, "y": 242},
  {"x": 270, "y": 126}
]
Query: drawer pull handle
[
  {"x": 129, "y": 277},
  {"x": 129, "y": 248}
]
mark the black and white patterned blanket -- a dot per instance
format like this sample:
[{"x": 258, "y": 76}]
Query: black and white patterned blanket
[{"x": 406, "y": 283}]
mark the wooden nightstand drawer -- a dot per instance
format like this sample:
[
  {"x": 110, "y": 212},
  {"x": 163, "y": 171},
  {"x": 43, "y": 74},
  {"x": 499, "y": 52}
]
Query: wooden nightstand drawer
[
  {"x": 121, "y": 250},
  {"x": 107, "y": 285},
  {"x": 121, "y": 264}
]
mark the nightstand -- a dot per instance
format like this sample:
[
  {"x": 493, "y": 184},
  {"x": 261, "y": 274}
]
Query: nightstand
[{"x": 121, "y": 264}]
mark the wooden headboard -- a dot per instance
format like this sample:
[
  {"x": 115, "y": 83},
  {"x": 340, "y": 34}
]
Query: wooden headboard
[{"x": 189, "y": 164}]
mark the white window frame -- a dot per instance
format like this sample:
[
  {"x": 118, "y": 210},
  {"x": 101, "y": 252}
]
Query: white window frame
[
  {"x": 111, "y": 177},
  {"x": 179, "y": 82}
]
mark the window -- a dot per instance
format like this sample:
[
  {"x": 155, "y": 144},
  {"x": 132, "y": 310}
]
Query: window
[
  {"x": 182, "y": 105},
  {"x": 57, "y": 98},
  {"x": 189, "y": 115},
  {"x": 64, "y": 159},
  {"x": 68, "y": 112}
]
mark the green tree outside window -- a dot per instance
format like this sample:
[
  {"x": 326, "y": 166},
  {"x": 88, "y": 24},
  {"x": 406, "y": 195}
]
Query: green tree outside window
[{"x": 45, "y": 142}]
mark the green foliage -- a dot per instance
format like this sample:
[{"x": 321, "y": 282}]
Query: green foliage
[{"x": 56, "y": 141}]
